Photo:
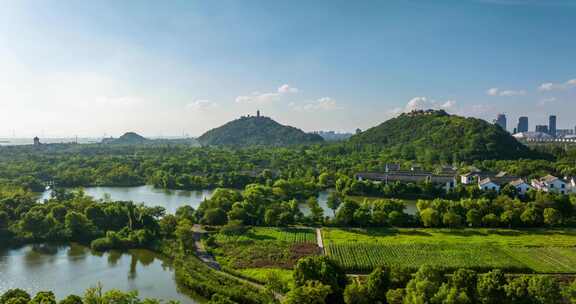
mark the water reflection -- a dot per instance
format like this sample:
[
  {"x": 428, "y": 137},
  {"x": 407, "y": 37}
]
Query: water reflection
[{"x": 74, "y": 268}]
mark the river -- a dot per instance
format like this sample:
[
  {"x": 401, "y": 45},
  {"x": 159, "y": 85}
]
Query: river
[{"x": 71, "y": 269}]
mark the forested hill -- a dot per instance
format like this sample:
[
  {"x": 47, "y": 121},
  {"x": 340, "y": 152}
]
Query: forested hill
[
  {"x": 253, "y": 131},
  {"x": 438, "y": 135}
]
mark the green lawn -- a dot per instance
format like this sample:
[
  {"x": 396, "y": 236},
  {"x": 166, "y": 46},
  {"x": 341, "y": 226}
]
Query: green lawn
[{"x": 530, "y": 250}]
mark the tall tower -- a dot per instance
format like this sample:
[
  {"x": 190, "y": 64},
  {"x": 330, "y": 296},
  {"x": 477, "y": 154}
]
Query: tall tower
[
  {"x": 501, "y": 121},
  {"x": 522, "y": 124},
  {"x": 552, "y": 125},
  {"x": 258, "y": 113}
]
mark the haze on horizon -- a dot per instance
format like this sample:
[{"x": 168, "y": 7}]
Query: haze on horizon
[{"x": 90, "y": 68}]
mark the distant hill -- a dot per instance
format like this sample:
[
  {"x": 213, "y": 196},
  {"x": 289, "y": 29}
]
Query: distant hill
[
  {"x": 128, "y": 138},
  {"x": 256, "y": 130},
  {"x": 131, "y": 138},
  {"x": 436, "y": 135}
]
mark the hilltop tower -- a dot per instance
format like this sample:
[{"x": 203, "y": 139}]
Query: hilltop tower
[{"x": 258, "y": 113}]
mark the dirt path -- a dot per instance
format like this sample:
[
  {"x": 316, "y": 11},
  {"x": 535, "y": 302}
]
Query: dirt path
[
  {"x": 319, "y": 239},
  {"x": 209, "y": 260},
  {"x": 201, "y": 252}
]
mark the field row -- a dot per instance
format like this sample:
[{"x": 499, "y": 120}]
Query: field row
[
  {"x": 288, "y": 235},
  {"x": 363, "y": 257}
]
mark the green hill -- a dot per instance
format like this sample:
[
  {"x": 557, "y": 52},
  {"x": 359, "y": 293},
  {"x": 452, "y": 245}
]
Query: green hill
[
  {"x": 252, "y": 130},
  {"x": 436, "y": 135}
]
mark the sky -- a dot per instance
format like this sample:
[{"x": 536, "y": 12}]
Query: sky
[{"x": 168, "y": 68}]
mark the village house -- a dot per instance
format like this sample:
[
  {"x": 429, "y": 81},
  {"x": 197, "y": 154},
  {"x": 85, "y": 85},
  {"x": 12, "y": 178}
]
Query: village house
[
  {"x": 488, "y": 184},
  {"x": 550, "y": 183},
  {"x": 522, "y": 187}
]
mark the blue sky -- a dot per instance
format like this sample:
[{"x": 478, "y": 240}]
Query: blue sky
[{"x": 90, "y": 68}]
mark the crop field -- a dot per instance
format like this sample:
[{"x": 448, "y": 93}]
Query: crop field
[
  {"x": 289, "y": 235},
  {"x": 262, "y": 247},
  {"x": 542, "y": 251}
]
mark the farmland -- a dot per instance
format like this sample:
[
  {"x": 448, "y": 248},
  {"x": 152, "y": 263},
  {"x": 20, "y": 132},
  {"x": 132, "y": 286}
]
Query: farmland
[
  {"x": 262, "y": 247},
  {"x": 534, "y": 250}
]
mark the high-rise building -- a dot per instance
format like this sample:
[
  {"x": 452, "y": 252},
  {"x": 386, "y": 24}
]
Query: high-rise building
[
  {"x": 501, "y": 121},
  {"x": 552, "y": 125},
  {"x": 522, "y": 124},
  {"x": 542, "y": 128}
]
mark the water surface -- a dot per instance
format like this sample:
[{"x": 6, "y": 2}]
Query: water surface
[{"x": 71, "y": 269}]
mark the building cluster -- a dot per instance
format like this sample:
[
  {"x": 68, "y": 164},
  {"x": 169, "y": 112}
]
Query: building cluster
[
  {"x": 541, "y": 132},
  {"x": 447, "y": 178}
]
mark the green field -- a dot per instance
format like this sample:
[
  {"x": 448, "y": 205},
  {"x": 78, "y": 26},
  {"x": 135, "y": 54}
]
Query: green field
[
  {"x": 290, "y": 235},
  {"x": 531, "y": 250},
  {"x": 262, "y": 247}
]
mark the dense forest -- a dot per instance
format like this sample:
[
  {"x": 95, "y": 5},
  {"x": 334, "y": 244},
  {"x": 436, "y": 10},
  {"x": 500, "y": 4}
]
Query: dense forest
[
  {"x": 454, "y": 138},
  {"x": 256, "y": 131}
]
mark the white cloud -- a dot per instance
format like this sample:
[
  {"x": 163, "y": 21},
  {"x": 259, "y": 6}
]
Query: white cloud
[
  {"x": 286, "y": 89},
  {"x": 507, "y": 93},
  {"x": 549, "y": 86},
  {"x": 322, "y": 104},
  {"x": 425, "y": 103},
  {"x": 265, "y": 98},
  {"x": 201, "y": 105}
]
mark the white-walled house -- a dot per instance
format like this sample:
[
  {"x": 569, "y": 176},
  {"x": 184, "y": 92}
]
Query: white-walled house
[
  {"x": 487, "y": 184},
  {"x": 521, "y": 186},
  {"x": 551, "y": 183},
  {"x": 467, "y": 178}
]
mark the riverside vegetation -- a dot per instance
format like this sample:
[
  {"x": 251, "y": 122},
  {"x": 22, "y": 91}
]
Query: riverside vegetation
[{"x": 490, "y": 246}]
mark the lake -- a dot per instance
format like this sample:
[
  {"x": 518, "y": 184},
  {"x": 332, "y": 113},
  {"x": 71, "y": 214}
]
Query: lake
[
  {"x": 169, "y": 199},
  {"x": 150, "y": 196},
  {"x": 71, "y": 269}
]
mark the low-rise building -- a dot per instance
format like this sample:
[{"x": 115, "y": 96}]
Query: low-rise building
[
  {"x": 488, "y": 184},
  {"x": 522, "y": 187},
  {"x": 550, "y": 183},
  {"x": 447, "y": 182}
]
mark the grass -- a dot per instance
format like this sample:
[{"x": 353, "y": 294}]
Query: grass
[
  {"x": 530, "y": 250},
  {"x": 261, "y": 275},
  {"x": 262, "y": 247}
]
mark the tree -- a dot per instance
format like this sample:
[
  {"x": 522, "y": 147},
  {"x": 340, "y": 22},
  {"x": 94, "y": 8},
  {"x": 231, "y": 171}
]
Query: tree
[
  {"x": 517, "y": 290},
  {"x": 355, "y": 293},
  {"x": 530, "y": 216},
  {"x": 430, "y": 217},
  {"x": 544, "y": 290},
  {"x": 570, "y": 292},
  {"x": 490, "y": 220},
  {"x": 424, "y": 286},
  {"x": 378, "y": 284},
  {"x": 71, "y": 299},
  {"x": 334, "y": 201},
  {"x": 78, "y": 227},
  {"x": 323, "y": 270},
  {"x": 312, "y": 292},
  {"x": 395, "y": 296},
  {"x": 552, "y": 217},
  {"x": 44, "y": 297},
  {"x": 451, "y": 219},
  {"x": 185, "y": 234},
  {"x": 316, "y": 212},
  {"x": 14, "y": 294},
  {"x": 214, "y": 216},
  {"x": 491, "y": 287},
  {"x": 473, "y": 218}
]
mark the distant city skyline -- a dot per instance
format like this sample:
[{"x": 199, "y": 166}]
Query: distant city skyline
[{"x": 90, "y": 68}]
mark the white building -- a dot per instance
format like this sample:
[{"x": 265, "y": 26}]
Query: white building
[
  {"x": 521, "y": 186},
  {"x": 551, "y": 183},
  {"x": 487, "y": 184}
]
